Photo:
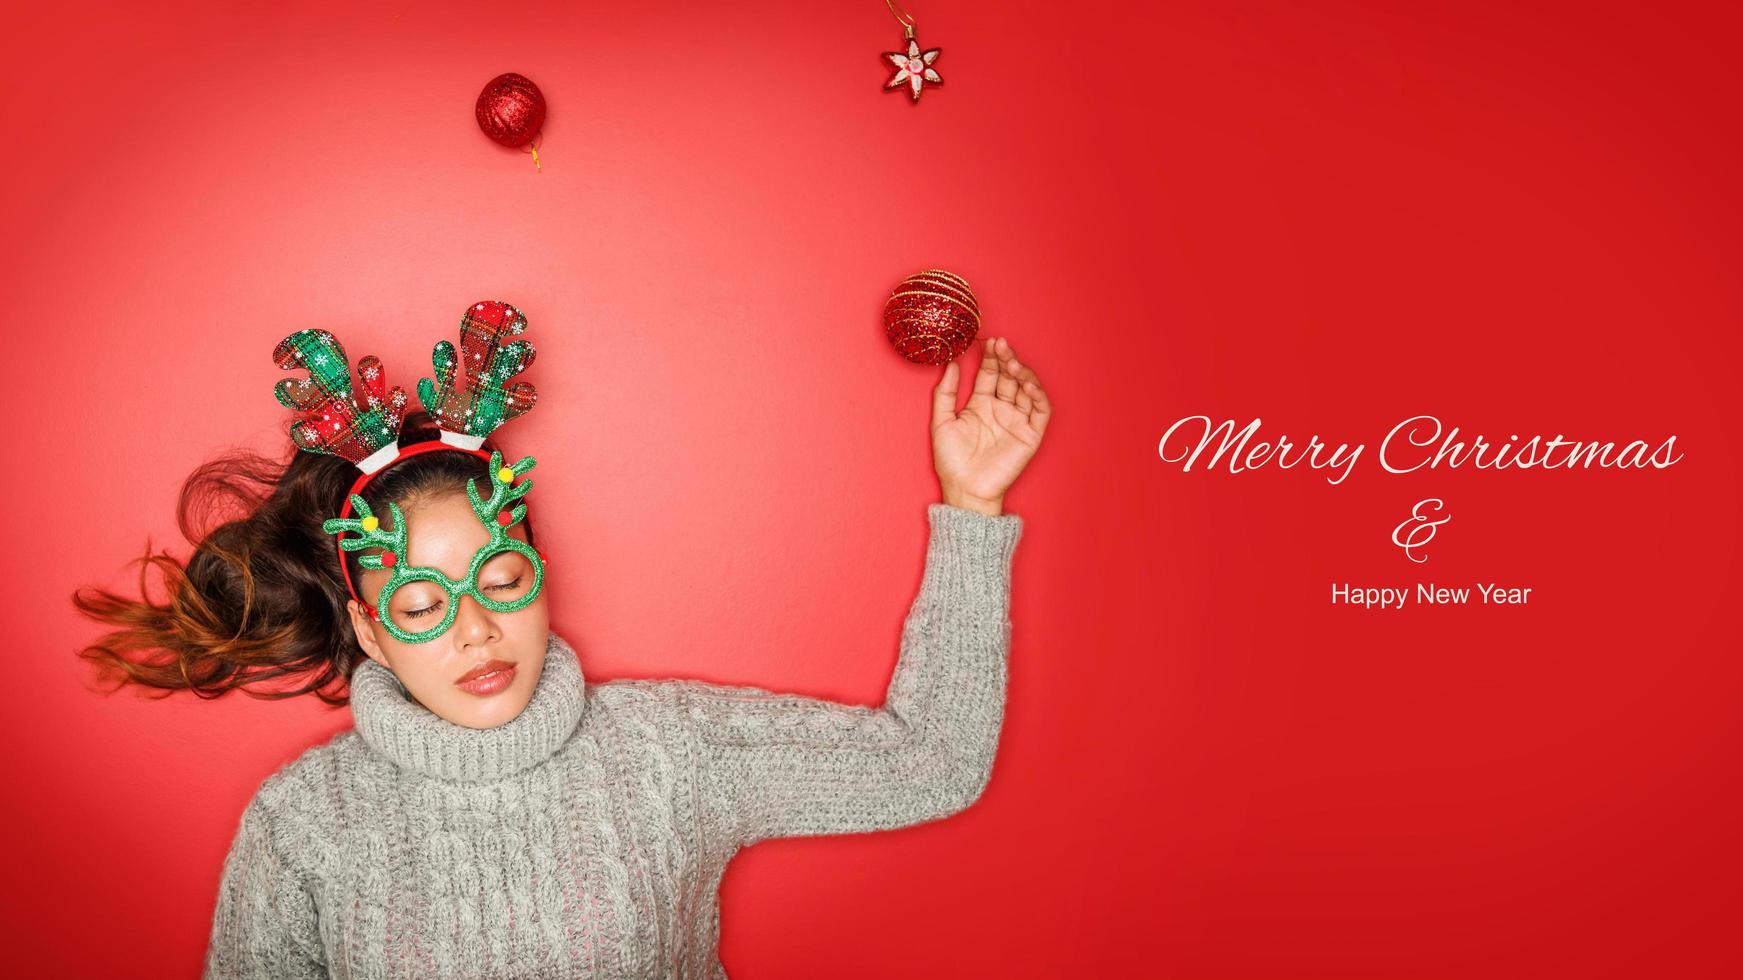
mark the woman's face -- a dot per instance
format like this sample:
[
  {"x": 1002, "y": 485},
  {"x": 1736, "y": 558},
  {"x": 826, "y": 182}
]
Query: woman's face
[{"x": 443, "y": 532}]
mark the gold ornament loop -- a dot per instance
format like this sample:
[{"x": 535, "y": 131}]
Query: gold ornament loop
[{"x": 902, "y": 15}]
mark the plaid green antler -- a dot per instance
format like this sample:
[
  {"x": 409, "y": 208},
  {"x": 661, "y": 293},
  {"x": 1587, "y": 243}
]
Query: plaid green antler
[
  {"x": 329, "y": 419},
  {"x": 372, "y": 536},
  {"x": 471, "y": 412}
]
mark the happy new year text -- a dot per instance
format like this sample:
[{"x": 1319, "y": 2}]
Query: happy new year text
[{"x": 1429, "y": 594}]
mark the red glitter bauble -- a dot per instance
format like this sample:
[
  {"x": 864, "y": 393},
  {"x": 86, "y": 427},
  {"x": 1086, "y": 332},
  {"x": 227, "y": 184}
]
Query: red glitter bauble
[
  {"x": 511, "y": 109},
  {"x": 932, "y": 317}
]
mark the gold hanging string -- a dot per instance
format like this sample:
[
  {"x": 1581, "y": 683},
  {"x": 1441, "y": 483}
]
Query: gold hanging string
[{"x": 902, "y": 15}]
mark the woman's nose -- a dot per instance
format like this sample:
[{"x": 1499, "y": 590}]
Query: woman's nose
[{"x": 472, "y": 621}]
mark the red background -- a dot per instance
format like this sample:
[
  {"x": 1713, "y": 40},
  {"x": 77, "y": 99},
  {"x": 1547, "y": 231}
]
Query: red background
[{"x": 1519, "y": 217}]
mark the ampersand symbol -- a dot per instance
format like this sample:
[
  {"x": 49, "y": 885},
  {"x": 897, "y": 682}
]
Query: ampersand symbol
[{"x": 1418, "y": 530}]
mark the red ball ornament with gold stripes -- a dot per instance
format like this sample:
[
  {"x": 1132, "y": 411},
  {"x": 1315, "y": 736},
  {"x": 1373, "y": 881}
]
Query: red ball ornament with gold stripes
[{"x": 932, "y": 317}]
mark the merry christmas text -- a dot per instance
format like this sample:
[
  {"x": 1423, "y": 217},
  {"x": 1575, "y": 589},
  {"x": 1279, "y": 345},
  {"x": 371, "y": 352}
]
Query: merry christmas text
[{"x": 1418, "y": 442}]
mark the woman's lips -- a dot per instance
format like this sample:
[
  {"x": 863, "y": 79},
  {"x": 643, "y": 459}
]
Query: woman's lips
[{"x": 488, "y": 678}]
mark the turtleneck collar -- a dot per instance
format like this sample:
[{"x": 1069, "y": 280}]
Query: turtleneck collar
[{"x": 416, "y": 738}]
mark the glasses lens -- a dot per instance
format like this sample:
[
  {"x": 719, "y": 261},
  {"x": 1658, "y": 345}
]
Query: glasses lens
[
  {"x": 507, "y": 577},
  {"x": 418, "y": 610}
]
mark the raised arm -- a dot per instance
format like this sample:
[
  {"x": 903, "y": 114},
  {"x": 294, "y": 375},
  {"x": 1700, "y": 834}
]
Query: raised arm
[
  {"x": 265, "y": 923},
  {"x": 775, "y": 765}
]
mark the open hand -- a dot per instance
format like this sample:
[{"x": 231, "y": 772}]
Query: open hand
[{"x": 979, "y": 451}]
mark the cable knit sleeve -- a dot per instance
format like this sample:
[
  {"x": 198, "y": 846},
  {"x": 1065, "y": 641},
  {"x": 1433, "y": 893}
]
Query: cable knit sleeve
[
  {"x": 265, "y": 923},
  {"x": 776, "y": 765}
]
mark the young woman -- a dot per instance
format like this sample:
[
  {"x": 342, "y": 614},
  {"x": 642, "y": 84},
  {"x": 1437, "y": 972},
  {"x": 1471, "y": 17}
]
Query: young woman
[{"x": 493, "y": 814}]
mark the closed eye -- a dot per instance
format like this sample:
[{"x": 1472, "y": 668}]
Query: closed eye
[{"x": 415, "y": 613}]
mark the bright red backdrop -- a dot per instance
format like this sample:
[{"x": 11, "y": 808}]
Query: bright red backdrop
[{"x": 1518, "y": 217}]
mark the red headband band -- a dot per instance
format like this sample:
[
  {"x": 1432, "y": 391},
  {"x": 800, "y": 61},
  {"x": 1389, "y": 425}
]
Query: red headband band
[{"x": 363, "y": 481}]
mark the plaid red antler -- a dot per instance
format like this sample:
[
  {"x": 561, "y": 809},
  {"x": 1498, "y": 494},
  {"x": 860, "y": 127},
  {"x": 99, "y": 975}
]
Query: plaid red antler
[
  {"x": 470, "y": 413},
  {"x": 329, "y": 418}
]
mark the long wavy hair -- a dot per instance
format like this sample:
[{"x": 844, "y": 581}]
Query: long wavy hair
[{"x": 262, "y": 597}]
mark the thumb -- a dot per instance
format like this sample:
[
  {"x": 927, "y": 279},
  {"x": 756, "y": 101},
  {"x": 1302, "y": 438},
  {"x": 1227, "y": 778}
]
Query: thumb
[{"x": 944, "y": 395}]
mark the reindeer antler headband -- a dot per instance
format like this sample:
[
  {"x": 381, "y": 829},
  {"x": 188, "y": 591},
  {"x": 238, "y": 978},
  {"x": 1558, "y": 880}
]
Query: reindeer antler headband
[{"x": 330, "y": 420}]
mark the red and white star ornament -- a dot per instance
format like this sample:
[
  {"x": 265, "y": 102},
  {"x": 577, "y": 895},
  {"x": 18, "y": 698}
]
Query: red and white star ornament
[{"x": 914, "y": 67}]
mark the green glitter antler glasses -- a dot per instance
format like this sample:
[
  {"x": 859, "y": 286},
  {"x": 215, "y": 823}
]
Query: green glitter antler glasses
[
  {"x": 330, "y": 421},
  {"x": 490, "y": 513}
]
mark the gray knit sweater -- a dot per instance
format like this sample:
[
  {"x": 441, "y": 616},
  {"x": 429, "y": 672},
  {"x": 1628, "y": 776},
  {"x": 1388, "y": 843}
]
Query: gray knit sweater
[{"x": 588, "y": 836}]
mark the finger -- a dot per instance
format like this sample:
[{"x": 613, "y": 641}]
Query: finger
[
  {"x": 1008, "y": 369},
  {"x": 944, "y": 395},
  {"x": 988, "y": 376},
  {"x": 1042, "y": 411}
]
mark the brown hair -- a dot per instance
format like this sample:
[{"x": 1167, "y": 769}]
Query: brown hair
[{"x": 262, "y": 596}]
